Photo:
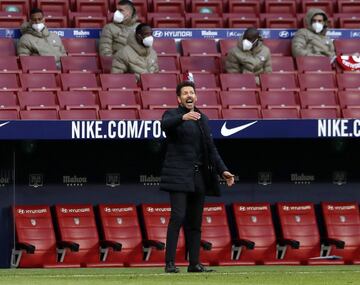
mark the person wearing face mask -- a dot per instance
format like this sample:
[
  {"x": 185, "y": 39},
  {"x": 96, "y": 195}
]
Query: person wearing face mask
[
  {"x": 137, "y": 56},
  {"x": 114, "y": 35},
  {"x": 250, "y": 55},
  {"x": 312, "y": 40},
  {"x": 37, "y": 40}
]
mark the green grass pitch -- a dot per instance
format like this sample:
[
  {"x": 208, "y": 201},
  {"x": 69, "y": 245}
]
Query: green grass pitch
[{"x": 249, "y": 275}]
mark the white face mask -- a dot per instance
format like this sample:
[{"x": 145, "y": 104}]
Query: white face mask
[
  {"x": 247, "y": 45},
  {"x": 118, "y": 17},
  {"x": 38, "y": 27},
  {"x": 148, "y": 41},
  {"x": 318, "y": 27}
]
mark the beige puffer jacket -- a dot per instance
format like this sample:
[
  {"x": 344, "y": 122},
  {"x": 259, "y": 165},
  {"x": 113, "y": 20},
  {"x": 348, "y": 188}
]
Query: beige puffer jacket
[
  {"x": 308, "y": 43},
  {"x": 257, "y": 60},
  {"x": 135, "y": 58},
  {"x": 39, "y": 43},
  {"x": 114, "y": 36}
]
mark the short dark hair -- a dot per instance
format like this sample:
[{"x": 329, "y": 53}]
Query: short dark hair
[
  {"x": 36, "y": 10},
  {"x": 252, "y": 32},
  {"x": 186, "y": 83},
  {"x": 129, "y": 3},
  {"x": 140, "y": 27}
]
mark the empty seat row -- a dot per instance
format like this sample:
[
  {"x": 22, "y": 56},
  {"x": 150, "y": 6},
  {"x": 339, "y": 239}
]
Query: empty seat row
[
  {"x": 88, "y": 47},
  {"x": 162, "y": 6},
  {"x": 117, "y": 240}
]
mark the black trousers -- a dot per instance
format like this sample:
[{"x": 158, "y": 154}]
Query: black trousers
[{"x": 186, "y": 209}]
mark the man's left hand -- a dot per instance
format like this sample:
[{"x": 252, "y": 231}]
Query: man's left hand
[{"x": 229, "y": 178}]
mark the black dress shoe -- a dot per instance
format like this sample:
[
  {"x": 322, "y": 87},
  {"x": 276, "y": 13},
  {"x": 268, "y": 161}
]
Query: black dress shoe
[
  {"x": 199, "y": 268},
  {"x": 171, "y": 268}
]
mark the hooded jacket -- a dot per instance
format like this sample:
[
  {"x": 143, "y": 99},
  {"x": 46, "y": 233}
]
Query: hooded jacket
[
  {"x": 114, "y": 36},
  {"x": 39, "y": 43},
  {"x": 135, "y": 58},
  {"x": 308, "y": 43}
]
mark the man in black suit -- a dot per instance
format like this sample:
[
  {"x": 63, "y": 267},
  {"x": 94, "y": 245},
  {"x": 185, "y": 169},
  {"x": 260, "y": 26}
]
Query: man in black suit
[{"x": 189, "y": 173}]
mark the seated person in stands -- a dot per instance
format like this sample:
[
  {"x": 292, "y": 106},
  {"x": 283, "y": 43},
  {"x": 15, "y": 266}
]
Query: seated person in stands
[
  {"x": 137, "y": 56},
  {"x": 37, "y": 40},
  {"x": 114, "y": 35},
  {"x": 312, "y": 40},
  {"x": 249, "y": 56}
]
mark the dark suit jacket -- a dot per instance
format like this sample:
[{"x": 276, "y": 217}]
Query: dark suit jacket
[{"x": 178, "y": 167}]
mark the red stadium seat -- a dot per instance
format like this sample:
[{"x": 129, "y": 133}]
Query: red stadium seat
[
  {"x": 56, "y": 21},
  {"x": 239, "y": 20},
  {"x": 348, "y": 21},
  {"x": 206, "y": 81},
  {"x": 106, "y": 63},
  {"x": 280, "y": 7},
  {"x": 244, "y": 6},
  {"x": 279, "y": 47},
  {"x": 165, "y": 47},
  {"x": 349, "y": 113},
  {"x": 38, "y": 64},
  {"x": 342, "y": 221},
  {"x": 37, "y": 100},
  {"x": 212, "y": 112},
  {"x": 226, "y": 45},
  {"x": 119, "y": 114},
  {"x": 169, "y": 21},
  {"x": 158, "y": 81},
  {"x": 283, "y": 64},
  {"x": 200, "y": 20},
  {"x": 343, "y": 46},
  {"x": 256, "y": 234},
  {"x": 278, "y": 82},
  {"x": 39, "y": 115},
  {"x": 22, "y": 5},
  {"x": 78, "y": 100},
  {"x": 39, "y": 82},
  {"x": 36, "y": 244},
  {"x": 57, "y": 7},
  {"x": 318, "y": 99},
  {"x": 199, "y": 47},
  {"x": 7, "y": 47},
  {"x": 158, "y": 99},
  {"x": 165, "y": 6},
  {"x": 114, "y": 82},
  {"x": 155, "y": 114},
  {"x": 300, "y": 233},
  {"x": 9, "y": 20},
  {"x": 8, "y": 100},
  {"x": 77, "y": 230},
  {"x": 320, "y": 113},
  {"x": 95, "y": 22},
  {"x": 280, "y": 21},
  {"x": 239, "y": 99},
  {"x": 216, "y": 6},
  {"x": 318, "y": 81},
  {"x": 9, "y": 82},
  {"x": 120, "y": 224},
  {"x": 156, "y": 218},
  {"x": 207, "y": 99},
  {"x": 91, "y": 6},
  {"x": 348, "y": 6},
  {"x": 237, "y": 82},
  {"x": 118, "y": 100},
  {"x": 209, "y": 64},
  {"x": 216, "y": 244},
  {"x": 348, "y": 81},
  {"x": 348, "y": 99},
  {"x": 280, "y": 113},
  {"x": 79, "y": 81},
  {"x": 76, "y": 64},
  {"x": 313, "y": 64},
  {"x": 76, "y": 47},
  {"x": 325, "y": 5},
  {"x": 168, "y": 64},
  {"x": 240, "y": 114},
  {"x": 9, "y": 114},
  {"x": 271, "y": 99},
  {"x": 9, "y": 64}
]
